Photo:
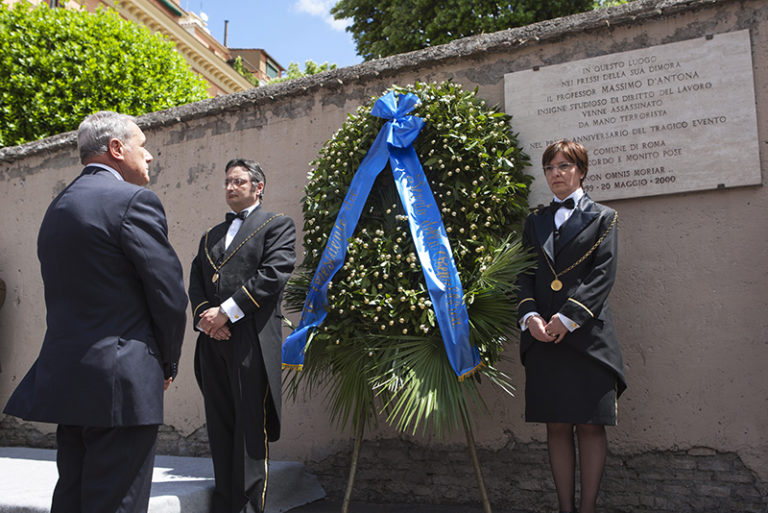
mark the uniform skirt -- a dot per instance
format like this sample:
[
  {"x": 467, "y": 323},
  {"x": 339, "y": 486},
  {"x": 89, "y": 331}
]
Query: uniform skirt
[{"x": 565, "y": 385}]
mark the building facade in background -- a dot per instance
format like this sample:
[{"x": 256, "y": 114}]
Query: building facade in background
[{"x": 188, "y": 30}]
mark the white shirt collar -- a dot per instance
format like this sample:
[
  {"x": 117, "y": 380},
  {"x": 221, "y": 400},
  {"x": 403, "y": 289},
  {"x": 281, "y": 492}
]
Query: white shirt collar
[
  {"x": 249, "y": 209},
  {"x": 576, "y": 195},
  {"x": 111, "y": 170}
]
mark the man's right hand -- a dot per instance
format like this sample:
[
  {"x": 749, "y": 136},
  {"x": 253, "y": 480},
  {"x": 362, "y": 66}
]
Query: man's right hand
[{"x": 213, "y": 322}]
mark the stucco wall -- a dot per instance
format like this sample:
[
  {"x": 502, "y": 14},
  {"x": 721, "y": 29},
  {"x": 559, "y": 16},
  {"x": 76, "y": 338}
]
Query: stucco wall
[{"x": 690, "y": 296}]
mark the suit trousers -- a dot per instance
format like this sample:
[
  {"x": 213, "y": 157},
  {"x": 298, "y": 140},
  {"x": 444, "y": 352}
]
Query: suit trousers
[
  {"x": 108, "y": 470},
  {"x": 233, "y": 381}
]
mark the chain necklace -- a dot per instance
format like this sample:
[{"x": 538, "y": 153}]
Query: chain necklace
[{"x": 556, "y": 284}]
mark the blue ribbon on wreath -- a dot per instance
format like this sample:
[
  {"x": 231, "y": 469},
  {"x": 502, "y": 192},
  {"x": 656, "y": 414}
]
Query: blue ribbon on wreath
[{"x": 394, "y": 144}]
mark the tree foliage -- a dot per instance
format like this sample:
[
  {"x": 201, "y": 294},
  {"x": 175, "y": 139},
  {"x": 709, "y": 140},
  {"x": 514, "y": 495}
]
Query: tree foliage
[
  {"x": 60, "y": 65},
  {"x": 380, "y": 348},
  {"x": 238, "y": 66},
  {"x": 310, "y": 68},
  {"x": 388, "y": 27}
]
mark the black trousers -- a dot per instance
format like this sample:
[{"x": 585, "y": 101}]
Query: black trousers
[
  {"x": 105, "y": 470},
  {"x": 235, "y": 391}
]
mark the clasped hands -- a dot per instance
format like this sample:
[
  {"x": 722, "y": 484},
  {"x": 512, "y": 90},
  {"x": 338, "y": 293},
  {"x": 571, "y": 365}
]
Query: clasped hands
[
  {"x": 552, "y": 331},
  {"x": 213, "y": 322}
]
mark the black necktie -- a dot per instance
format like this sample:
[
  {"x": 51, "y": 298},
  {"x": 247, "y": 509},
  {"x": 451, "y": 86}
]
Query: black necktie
[
  {"x": 569, "y": 204},
  {"x": 231, "y": 216}
]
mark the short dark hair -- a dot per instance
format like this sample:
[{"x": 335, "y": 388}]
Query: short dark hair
[
  {"x": 253, "y": 168},
  {"x": 573, "y": 151}
]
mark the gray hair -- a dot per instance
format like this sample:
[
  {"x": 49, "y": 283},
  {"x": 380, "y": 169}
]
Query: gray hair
[{"x": 95, "y": 132}]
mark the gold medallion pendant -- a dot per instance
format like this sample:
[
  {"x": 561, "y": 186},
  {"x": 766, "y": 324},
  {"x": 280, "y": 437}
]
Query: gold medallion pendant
[
  {"x": 215, "y": 277},
  {"x": 556, "y": 285}
]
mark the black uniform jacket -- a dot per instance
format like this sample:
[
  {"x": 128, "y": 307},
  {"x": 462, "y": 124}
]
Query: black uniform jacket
[
  {"x": 253, "y": 271},
  {"x": 584, "y": 295},
  {"x": 115, "y": 304}
]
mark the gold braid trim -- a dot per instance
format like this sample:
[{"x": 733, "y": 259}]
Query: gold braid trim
[
  {"x": 585, "y": 255},
  {"x": 584, "y": 307},
  {"x": 194, "y": 314},
  {"x": 266, "y": 452},
  {"x": 250, "y": 296},
  {"x": 471, "y": 371},
  {"x": 208, "y": 254}
]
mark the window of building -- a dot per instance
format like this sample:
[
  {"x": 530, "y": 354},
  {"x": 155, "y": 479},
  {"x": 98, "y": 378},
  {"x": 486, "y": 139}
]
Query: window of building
[{"x": 272, "y": 71}]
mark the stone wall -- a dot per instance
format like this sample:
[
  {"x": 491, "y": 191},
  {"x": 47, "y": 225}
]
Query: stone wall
[
  {"x": 517, "y": 477},
  {"x": 689, "y": 301}
]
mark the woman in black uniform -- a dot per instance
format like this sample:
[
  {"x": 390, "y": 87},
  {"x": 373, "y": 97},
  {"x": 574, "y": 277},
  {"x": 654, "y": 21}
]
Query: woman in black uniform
[{"x": 573, "y": 367}]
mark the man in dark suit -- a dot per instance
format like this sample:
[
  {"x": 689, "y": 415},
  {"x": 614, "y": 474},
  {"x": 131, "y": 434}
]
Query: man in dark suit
[
  {"x": 235, "y": 289},
  {"x": 116, "y": 312}
]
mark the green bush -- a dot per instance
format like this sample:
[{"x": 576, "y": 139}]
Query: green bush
[
  {"x": 60, "y": 65},
  {"x": 380, "y": 347}
]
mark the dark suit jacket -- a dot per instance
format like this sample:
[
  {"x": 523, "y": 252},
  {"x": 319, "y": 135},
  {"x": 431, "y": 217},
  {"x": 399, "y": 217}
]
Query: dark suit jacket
[
  {"x": 116, "y": 308},
  {"x": 253, "y": 271},
  {"x": 584, "y": 296}
]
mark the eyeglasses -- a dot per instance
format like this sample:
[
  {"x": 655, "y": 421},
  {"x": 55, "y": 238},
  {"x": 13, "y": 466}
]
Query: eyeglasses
[
  {"x": 237, "y": 182},
  {"x": 564, "y": 166}
]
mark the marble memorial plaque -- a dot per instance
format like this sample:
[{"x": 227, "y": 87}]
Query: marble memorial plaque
[{"x": 665, "y": 119}]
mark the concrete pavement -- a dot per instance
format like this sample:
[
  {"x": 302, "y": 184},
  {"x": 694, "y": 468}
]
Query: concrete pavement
[
  {"x": 179, "y": 484},
  {"x": 184, "y": 485}
]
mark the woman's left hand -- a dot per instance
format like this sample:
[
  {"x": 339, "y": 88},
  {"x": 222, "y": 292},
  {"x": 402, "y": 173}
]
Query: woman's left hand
[{"x": 555, "y": 328}]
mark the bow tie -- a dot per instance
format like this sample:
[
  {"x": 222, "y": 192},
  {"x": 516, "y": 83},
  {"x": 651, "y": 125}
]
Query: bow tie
[
  {"x": 555, "y": 205},
  {"x": 231, "y": 216}
]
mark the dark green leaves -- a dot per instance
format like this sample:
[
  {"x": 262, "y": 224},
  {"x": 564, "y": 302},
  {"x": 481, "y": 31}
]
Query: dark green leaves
[
  {"x": 380, "y": 348},
  {"x": 59, "y": 65},
  {"x": 388, "y": 27}
]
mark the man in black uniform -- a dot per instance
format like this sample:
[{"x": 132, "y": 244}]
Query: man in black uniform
[{"x": 235, "y": 289}]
